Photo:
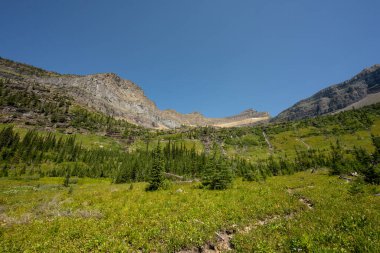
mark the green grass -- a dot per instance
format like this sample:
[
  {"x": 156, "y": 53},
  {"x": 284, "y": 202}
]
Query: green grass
[
  {"x": 251, "y": 153},
  {"x": 97, "y": 216},
  {"x": 94, "y": 141},
  {"x": 189, "y": 144},
  {"x": 301, "y": 138}
]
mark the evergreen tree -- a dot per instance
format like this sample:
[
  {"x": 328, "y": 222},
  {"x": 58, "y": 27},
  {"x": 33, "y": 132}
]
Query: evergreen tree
[
  {"x": 370, "y": 163},
  {"x": 251, "y": 174},
  {"x": 337, "y": 162},
  {"x": 209, "y": 172},
  {"x": 156, "y": 175},
  {"x": 273, "y": 166},
  {"x": 222, "y": 177},
  {"x": 121, "y": 175}
]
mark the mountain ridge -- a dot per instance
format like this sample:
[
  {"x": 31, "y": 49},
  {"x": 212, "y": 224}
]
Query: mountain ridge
[
  {"x": 123, "y": 99},
  {"x": 336, "y": 97},
  {"x": 114, "y": 96}
]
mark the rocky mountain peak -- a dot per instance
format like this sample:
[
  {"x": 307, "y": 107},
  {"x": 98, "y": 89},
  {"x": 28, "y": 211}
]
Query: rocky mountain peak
[
  {"x": 112, "y": 95},
  {"x": 196, "y": 113},
  {"x": 362, "y": 89}
]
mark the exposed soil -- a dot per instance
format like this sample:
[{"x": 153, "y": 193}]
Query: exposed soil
[
  {"x": 303, "y": 142},
  {"x": 268, "y": 142}
]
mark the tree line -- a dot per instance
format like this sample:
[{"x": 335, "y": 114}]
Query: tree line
[{"x": 48, "y": 155}]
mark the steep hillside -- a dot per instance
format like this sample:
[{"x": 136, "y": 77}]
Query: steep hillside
[
  {"x": 113, "y": 96},
  {"x": 359, "y": 91}
]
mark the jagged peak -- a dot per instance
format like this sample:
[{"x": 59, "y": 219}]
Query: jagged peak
[
  {"x": 249, "y": 110},
  {"x": 195, "y": 113},
  {"x": 367, "y": 71},
  {"x": 108, "y": 75},
  {"x": 115, "y": 78},
  {"x": 374, "y": 67},
  {"x": 250, "y": 113}
]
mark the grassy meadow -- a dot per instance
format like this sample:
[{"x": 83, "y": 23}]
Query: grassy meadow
[{"x": 303, "y": 212}]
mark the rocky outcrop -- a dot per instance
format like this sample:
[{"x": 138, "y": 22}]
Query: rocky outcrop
[
  {"x": 112, "y": 95},
  {"x": 247, "y": 117},
  {"x": 337, "y": 97}
]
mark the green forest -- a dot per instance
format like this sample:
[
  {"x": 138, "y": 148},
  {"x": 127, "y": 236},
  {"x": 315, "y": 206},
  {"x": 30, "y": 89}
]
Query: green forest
[{"x": 39, "y": 154}]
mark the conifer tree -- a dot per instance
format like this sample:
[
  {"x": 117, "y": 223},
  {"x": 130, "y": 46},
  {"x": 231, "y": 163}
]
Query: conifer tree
[
  {"x": 156, "y": 175},
  {"x": 337, "y": 162},
  {"x": 370, "y": 162},
  {"x": 222, "y": 177},
  {"x": 209, "y": 172}
]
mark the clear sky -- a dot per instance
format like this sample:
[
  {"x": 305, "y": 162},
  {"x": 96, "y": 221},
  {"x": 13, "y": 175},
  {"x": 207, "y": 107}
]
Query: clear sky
[{"x": 218, "y": 57}]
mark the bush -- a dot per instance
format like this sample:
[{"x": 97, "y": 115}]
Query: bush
[
  {"x": 166, "y": 184},
  {"x": 372, "y": 174},
  {"x": 357, "y": 186},
  {"x": 73, "y": 180},
  {"x": 67, "y": 180}
]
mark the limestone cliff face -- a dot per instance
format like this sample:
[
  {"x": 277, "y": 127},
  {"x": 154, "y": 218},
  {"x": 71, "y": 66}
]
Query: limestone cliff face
[
  {"x": 358, "y": 90},
  {"x": 113, "y": 96}
]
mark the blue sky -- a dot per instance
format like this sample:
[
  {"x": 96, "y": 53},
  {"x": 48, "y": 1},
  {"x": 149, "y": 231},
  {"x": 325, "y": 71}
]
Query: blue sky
[{"x": 218, "y": 57}]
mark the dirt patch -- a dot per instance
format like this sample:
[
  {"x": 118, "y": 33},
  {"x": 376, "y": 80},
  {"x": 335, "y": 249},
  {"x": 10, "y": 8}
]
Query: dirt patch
[
  {"x": 223, "y": 238},
  {"x": 6, "y": 220},
  {"x": 207, "y": 144},
  {"x": 346, "y": 178},
  {"x": 49, "y": 210},
  {"x": 88, "y": 214},
  {"x": 222, "y": 243},
  {"x": 303, "y": 142},
  {"x": 265, "y": 221},
  {"x": 268, "y": 142},
  {"x": 307, "y": 202}
]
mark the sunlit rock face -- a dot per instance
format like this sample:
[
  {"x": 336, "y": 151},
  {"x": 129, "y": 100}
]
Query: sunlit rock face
[
  {"x": 112, "y": 95},
  {"x": 359, "y": 91}
]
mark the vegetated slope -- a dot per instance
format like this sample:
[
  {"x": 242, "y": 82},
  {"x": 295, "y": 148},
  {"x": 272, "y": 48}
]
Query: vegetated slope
[
  {"x": 92, "y": 215},
  {"x": 352, "y": 128},
  {"x": 307, "y": 211},
  {"x": 188, "y": 152},
  {"x": 112, "y": 95},
  {"x": 358, "y": 91}
]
